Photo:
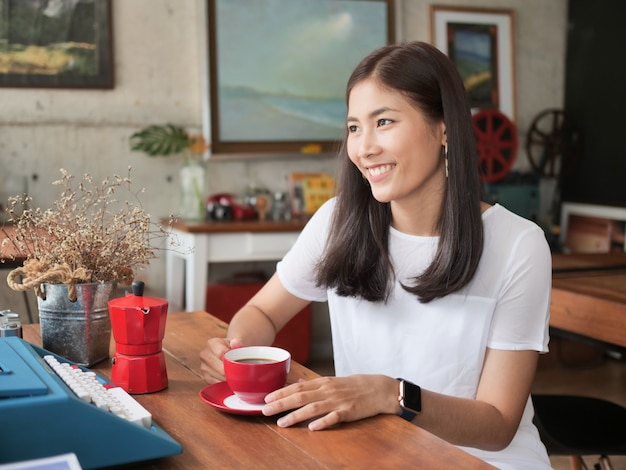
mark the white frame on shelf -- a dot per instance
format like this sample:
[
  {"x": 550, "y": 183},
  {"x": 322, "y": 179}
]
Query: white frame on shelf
[{"x": 589, "y": 210}]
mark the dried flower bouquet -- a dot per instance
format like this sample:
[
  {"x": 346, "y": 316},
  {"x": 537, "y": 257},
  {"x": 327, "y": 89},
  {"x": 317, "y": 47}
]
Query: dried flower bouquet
[{"x": 87, "y": 236}]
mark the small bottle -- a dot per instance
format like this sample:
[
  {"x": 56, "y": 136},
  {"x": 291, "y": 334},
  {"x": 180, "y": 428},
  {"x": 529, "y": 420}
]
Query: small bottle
[{"x": 10, "y": 324}]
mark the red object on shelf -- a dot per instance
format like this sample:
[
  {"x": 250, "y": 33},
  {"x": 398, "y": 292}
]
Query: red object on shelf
[{"x": 224, "y": 299}]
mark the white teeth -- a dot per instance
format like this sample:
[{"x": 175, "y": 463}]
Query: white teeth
[{"x": 379, "y": 170}]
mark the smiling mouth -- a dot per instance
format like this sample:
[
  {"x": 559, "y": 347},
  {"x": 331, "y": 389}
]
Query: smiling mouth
[{"x": 379, "y": 170}]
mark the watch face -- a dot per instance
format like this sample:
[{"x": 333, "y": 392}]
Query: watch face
[{"x": 412, "y": 397}]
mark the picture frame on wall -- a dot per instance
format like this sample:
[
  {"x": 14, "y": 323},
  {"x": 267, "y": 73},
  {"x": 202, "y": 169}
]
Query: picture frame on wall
[
  {"x": 589, "y": 234},
  {"x": 481, "y": 43},
  {"x": 308, "y": 191},
  {"x": 56, "y": 44},
  {"x": 592, "y": 228},
  {"x": 278, "y": 70}
]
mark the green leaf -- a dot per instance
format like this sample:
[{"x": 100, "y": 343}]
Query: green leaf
[{"x": 160, "y": 141}]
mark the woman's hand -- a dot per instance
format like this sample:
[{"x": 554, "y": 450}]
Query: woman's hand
[
  {"x": 211, "y": 358},
  {"x": 332, "y": 400}
]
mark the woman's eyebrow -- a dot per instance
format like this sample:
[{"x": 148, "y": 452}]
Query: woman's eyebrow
[{"x": 376, "y": 112}]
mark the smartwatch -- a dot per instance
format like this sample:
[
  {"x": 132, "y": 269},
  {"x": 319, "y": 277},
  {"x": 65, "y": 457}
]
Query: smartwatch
[{"x": 410, "y": 398}]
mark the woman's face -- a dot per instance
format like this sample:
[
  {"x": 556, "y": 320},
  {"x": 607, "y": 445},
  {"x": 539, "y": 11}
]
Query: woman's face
[{"x": 393, "y": 146}]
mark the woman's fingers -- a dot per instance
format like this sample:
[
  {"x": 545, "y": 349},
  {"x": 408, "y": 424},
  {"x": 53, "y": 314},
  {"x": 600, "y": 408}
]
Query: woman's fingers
[{"x": 329, "y": 400}]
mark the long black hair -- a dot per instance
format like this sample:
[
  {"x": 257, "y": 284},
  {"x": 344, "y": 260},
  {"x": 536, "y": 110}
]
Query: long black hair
[{"x": 356, "y": 262}]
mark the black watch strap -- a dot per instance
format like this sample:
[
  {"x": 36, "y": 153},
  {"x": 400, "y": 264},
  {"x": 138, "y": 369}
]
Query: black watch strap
[
  {"x": 410, "y": 399},
  {"x": 407, "y": 415}
]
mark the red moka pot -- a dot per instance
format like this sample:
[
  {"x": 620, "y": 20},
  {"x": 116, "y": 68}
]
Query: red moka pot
[{"x": 138, "y": 325}]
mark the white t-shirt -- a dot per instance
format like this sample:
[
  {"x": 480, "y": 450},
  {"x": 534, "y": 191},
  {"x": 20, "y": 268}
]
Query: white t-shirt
[{"x": 441, "y": 345}]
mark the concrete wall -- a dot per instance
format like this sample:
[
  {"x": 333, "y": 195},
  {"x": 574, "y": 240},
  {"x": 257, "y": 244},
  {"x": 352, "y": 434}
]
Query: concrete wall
[{"x": 159, "y": 60}]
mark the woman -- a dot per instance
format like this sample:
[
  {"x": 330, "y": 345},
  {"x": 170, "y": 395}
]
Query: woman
[{"x": 424, "y": 281}]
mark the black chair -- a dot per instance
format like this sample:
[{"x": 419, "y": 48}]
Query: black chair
[{"x": 579, "y": 426}]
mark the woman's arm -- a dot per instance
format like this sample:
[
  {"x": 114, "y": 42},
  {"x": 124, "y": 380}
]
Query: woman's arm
[
  {"x": 488, "y": 422},
  {"x": 491, "y": 420},
  {"x": 256, "y": 323},
  {"x": 265, "y": 314}
]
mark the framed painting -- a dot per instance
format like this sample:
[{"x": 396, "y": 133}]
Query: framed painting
[
  {"x": 308, "y": 191},
  {"x": 61, "y": 44},
  {"x": 278, "y": 70},
  {"x": 481, "y": 43},
  {"x": 592, "y": 228}
]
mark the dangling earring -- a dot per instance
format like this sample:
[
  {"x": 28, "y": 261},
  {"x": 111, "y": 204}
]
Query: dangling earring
[{"x": 445, "y": 155}]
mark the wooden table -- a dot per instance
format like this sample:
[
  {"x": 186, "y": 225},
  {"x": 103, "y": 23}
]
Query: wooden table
[
  {"x": 214, "y": 439},
  {"x": 193, "y": 246},
  {"x": 589, "y": 296}
]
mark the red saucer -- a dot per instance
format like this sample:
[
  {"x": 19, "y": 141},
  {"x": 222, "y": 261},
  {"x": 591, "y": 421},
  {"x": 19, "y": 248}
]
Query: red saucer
[{"x": 220, "y": 396}]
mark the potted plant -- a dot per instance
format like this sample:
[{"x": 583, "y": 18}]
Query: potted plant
[
  {"x": 76, "y": 253},
  {"x": 169, "y": 139}
]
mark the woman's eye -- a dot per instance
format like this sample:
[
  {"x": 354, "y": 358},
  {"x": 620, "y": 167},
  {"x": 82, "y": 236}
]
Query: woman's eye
[
  {"x": 383, "y": 122},
  {"x": 353, "y": 128}
]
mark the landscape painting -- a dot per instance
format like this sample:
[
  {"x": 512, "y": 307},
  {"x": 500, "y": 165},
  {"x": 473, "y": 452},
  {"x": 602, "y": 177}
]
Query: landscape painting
[
  {"x": 481, "y": 43},
  {"x": 473, "y": 49},
  {"x": 279, "y": 69},
  {"x": 56, "y": 43}
]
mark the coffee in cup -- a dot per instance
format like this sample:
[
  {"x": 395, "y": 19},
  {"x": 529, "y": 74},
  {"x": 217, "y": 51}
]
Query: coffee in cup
[{"x": 252, "y": 372}]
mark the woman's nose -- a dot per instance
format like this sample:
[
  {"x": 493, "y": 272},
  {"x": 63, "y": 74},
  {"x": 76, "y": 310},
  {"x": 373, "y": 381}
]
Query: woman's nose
[{"x": 368, "y": 145}]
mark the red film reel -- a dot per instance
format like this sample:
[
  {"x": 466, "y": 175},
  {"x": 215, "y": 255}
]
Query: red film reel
[{"x": 496, "y": 144}]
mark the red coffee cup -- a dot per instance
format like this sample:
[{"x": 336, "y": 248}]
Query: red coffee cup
[{"x": 254, "y": 371}]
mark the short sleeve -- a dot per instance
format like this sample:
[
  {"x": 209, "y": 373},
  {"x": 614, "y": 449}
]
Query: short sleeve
[
  {"x": 297, "y": 268},
  {"x": 521, "y": 318}
]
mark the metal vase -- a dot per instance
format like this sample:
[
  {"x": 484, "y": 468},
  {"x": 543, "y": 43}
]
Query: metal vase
[{"x": 79, "y": 331}]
